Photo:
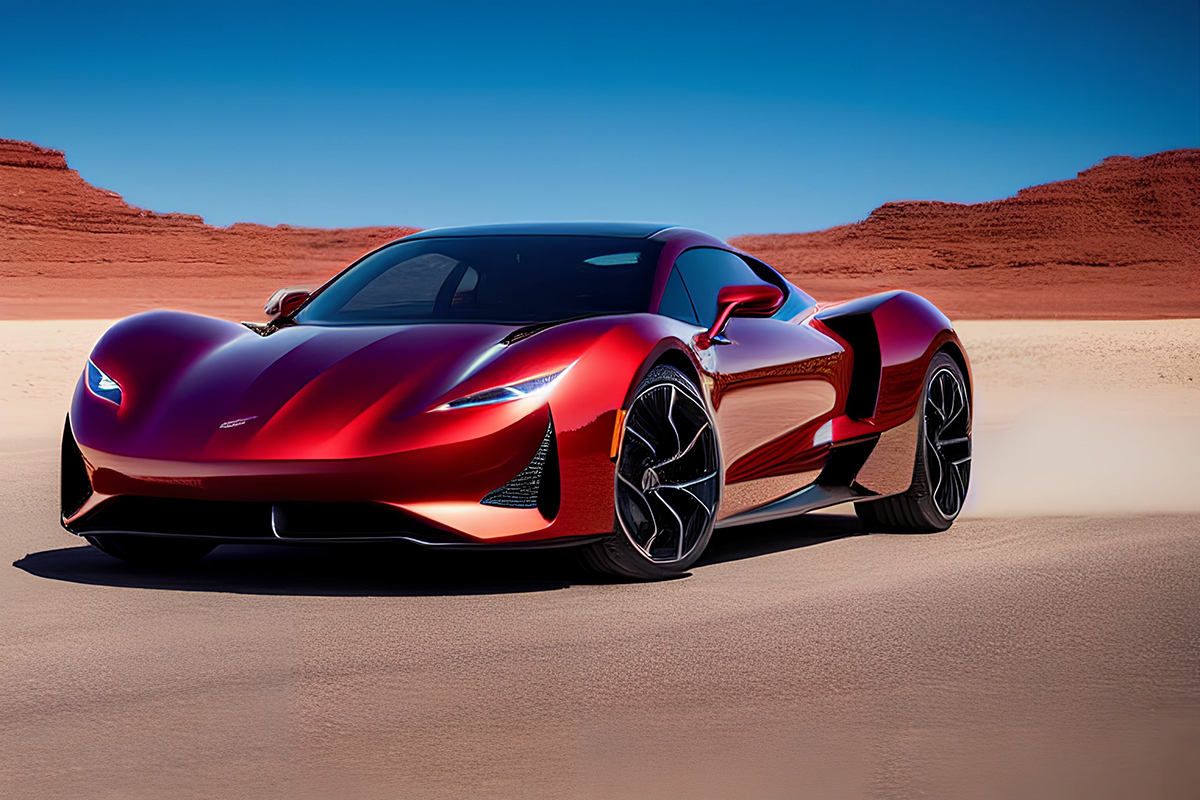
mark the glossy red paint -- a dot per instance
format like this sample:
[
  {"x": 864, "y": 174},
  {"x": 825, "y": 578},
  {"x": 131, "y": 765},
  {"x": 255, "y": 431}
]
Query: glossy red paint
[
  {"x": 743, "y": 301},
  {"x": 214, "y": 411},
  {"x": 910, "y": 330},
  {"x": 354, "y": 414}
]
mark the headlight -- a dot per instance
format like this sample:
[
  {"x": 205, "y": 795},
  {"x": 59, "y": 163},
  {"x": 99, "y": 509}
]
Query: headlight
[
  {"x": 503, "y": 394},
  {"x": 101, "y": 385}
]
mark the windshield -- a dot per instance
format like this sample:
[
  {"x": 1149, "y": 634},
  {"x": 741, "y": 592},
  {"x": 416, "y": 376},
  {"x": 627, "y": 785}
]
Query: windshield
[{"x": 505, "y": 279}]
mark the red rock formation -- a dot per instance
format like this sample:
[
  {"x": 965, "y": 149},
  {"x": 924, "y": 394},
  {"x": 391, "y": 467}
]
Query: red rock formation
[
  {"x": 1122, "y": 240},
  {"x": 27, "y": 154},
  {"x": 69, "y": 249}
]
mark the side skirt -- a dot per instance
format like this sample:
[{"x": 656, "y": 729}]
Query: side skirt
[
  {"x": 810, "y": 498},
  {"x": 836, "y": 484}
]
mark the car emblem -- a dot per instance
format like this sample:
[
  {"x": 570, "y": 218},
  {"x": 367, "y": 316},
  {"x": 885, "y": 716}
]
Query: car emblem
[{"x": 235, "y": 423}]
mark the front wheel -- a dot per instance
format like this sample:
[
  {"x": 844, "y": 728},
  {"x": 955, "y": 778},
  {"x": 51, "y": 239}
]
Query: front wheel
[
  {"x": 943, "y": 465},
  {"x": 154, "y": 551},
  {"x": 667, "y": 484}
]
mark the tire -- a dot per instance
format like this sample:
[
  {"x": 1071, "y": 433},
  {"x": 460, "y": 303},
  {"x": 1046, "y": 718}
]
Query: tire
[
  {"x": 942, "y": 472},
  {"x": 667, "y": 482},
  {"x": 151, "y": 550}
]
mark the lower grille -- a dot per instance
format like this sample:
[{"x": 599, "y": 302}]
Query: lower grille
[
  {"x": 184, "y": 517},
  {"x": 536, "y": 486},
  {"x": 257, "y": 520}
]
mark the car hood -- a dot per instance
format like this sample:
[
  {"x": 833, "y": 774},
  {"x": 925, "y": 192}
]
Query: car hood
[{"x": 304, "y": 391}]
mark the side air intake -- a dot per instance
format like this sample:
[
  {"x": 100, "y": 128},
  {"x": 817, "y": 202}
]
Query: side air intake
[
  {"x": 536, "y": 486},
  {"x": 859, "y": 331},
  {"x": 75, "y": 485}
]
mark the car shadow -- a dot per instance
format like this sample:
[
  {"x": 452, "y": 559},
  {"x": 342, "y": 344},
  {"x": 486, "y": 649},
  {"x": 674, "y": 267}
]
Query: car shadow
[
  {"x": 806, "y": 530},
  {"x": 398, "y": 570}
]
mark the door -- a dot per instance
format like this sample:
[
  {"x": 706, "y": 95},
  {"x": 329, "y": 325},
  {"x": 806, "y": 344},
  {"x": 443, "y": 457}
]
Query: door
[{"x": 774, "y": 387}]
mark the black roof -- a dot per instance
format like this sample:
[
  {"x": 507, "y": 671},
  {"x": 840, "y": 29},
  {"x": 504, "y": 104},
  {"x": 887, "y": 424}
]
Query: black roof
[{"x": 619, "y": 230}]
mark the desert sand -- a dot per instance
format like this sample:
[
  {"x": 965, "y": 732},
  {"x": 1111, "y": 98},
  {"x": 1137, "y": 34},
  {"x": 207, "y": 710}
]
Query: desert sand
[{"x": 1046, "y": 646}]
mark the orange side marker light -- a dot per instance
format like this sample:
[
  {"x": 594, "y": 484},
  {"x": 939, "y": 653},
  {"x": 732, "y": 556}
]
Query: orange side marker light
[{"x": 617, "y": 430}]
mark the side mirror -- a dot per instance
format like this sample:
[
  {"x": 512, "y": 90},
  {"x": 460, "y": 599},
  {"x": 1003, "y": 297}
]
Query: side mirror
[
  {"x": 757, "y": 300},
  {"x": 285, "y": 302}
]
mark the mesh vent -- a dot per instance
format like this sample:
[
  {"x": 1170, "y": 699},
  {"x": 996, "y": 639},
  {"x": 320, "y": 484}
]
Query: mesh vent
[{"x": 524, "y": 490}]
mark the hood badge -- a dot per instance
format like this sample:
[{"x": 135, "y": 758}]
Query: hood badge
[{"x": 236, "y": 423}]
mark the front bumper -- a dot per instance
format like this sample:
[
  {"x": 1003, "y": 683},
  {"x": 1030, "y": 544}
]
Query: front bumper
[
  {"x": 231, "y": 522},
  {"x": 444, "y": 497}
]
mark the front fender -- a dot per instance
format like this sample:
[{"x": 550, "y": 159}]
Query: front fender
[
  {"x": 144, "y": 354},
  {"x": 586, "y": 408}
]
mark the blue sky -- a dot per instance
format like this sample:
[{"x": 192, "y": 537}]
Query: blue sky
[{"x": 731, "y": 117}]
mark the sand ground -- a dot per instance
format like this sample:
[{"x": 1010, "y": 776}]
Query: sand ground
[{"x": 1046, "y": 646}]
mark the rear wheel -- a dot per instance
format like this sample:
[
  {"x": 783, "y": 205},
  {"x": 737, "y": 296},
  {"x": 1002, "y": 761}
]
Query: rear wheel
[
  {"x": 668, "y": 482},
  {"x": 151, "y": 550},
  {"x": 942, "y": 471}
]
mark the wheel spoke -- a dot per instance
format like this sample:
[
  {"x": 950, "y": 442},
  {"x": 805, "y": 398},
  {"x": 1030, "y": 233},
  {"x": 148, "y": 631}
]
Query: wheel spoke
[
  {"x": 678, "y": 520},
  {"x": 701, "y": 479},
  {"x": 961, "y": 405},
  {"x": 936, "y": 392},
  {"x": 689, "y": 493},
  {"x": 948, "y": 397},
  {"x": 958, "y": 440},
  {"x": 654, "y": 537},
  {"x": 645, "y": 441},
  {"x": 636, "y": 489},
  {"x": 649, "y": 515},
  {"x": 950, "y": 495},
  {"x": 956, "y": 492},
  {"x": 685, "y": 450},
  {"x": 932, "y": 405},
  {"x": 954, "y": 450},
  {"x": 936, "y": 462},
  {"x": 960, "y": 488},
  {"x": 671, "y": 422}
]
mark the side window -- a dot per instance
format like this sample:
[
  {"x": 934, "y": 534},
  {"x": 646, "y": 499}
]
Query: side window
[
  {"x": 706, "y": 270},
  {"x": 675, "y": 300}
]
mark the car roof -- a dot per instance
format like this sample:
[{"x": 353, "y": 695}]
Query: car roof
[{"x": 619, "y": 230}]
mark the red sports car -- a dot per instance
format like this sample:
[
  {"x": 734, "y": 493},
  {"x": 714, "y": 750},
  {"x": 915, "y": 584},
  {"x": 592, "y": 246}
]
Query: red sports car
[{"x": 620, "y": 388}]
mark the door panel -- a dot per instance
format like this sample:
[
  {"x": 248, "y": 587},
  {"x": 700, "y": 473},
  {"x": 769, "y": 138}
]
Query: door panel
[
  {"x": 754, "y": 414},
  {"x": 775, "y": 385}
]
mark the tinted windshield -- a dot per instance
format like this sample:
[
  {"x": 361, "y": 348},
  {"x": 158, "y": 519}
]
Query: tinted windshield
[{"x": 507, "y": 279}]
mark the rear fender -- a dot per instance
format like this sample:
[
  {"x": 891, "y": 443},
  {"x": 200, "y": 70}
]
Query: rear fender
[{"x": 894, "y": 336}]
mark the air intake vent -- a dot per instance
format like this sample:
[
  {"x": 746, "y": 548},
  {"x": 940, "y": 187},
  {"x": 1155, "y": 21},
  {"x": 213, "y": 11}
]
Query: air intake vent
[
  {"x": 76, "y": 487},
  {"x": 536, "y": 486},
  {"x": 859, "y": 331}
]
